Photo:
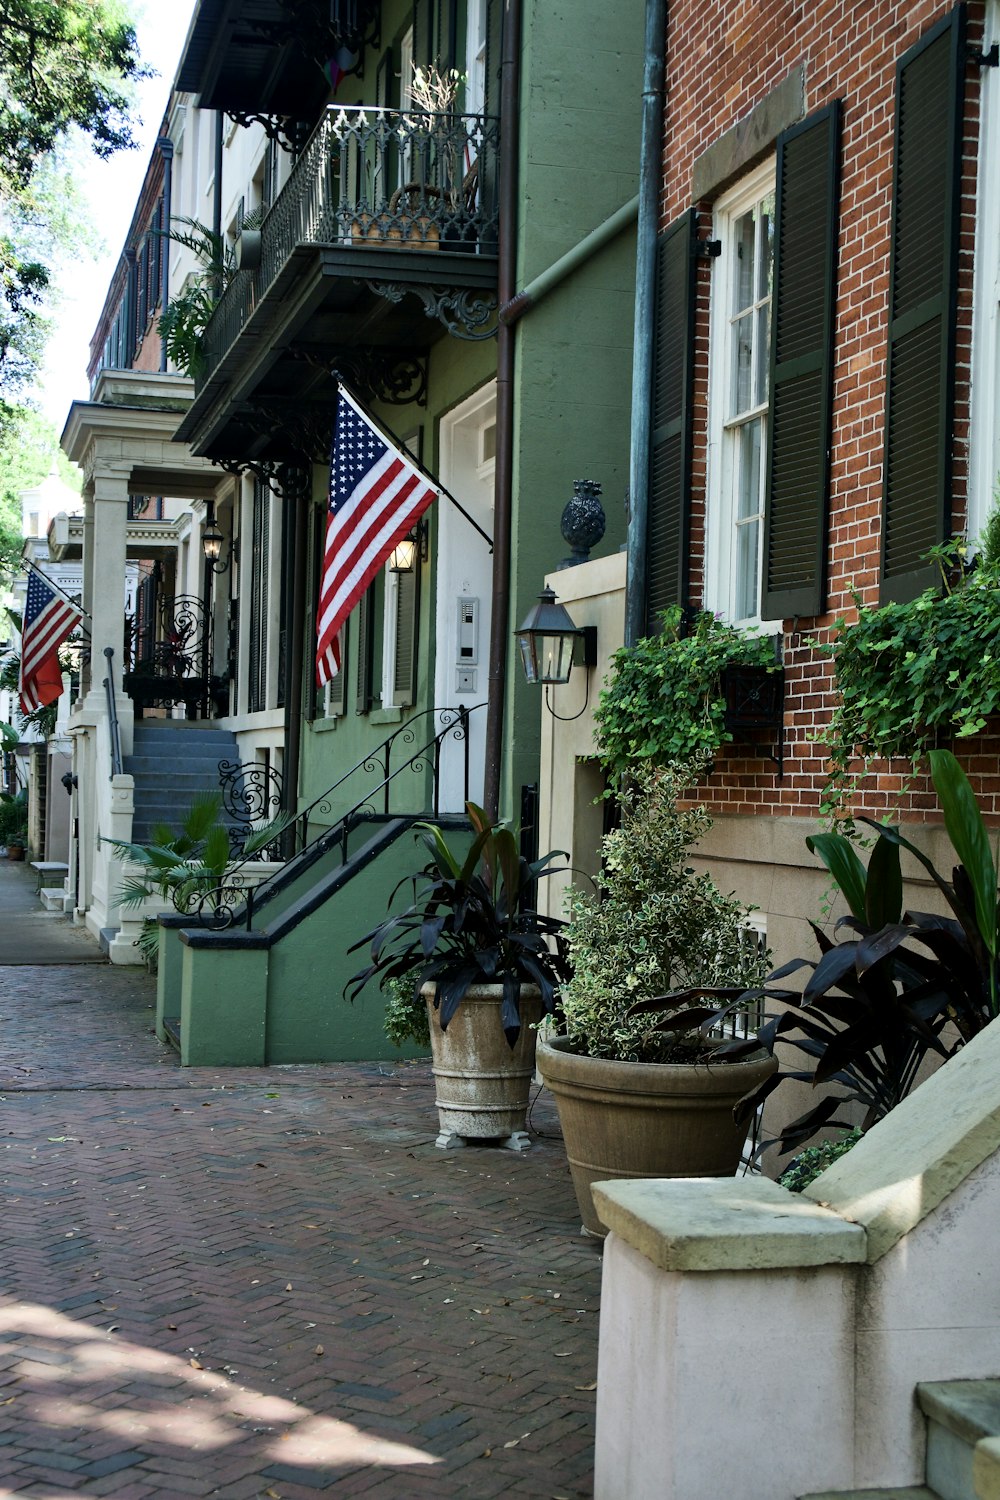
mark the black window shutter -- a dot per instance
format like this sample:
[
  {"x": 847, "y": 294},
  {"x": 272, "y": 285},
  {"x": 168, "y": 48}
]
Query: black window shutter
[
  {"x": 796, "y": 503},
  {"x": 923, "y": 283},
  {"x": 670, "y": 447}
]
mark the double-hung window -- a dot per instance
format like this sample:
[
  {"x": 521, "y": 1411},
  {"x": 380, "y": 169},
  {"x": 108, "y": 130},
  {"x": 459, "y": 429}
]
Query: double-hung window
[{"x": 738, "y": 398}]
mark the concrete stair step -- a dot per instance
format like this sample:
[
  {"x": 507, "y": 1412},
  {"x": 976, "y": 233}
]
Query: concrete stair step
[
  {"x": 908, "y": 1492},
  {"x": 963, "y": 1437}
]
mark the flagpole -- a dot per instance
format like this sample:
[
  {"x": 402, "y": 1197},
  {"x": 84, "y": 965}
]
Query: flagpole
[
  {"x": 51, "y": 583},
  {"x": 415, "y": 461}
]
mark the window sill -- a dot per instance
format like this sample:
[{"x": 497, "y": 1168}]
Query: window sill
[
  {"x": 386, "y": 716},
  {"x": 323, "y": 726}
]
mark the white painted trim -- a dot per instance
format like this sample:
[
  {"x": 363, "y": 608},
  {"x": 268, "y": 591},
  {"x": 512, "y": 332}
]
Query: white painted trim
[
  {"x": 984, "y": 391},
  {"x": 718, "y": 590}
]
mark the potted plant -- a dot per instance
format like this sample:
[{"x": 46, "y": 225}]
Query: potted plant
[
  {"x": 488, "y": 964},
  {"x": 643, "y": 1074},
  {"x": 16, "y": 845}
]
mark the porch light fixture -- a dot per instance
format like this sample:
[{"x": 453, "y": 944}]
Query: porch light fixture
[
  {"x": 548, "y": 642},
  {"x": 403, "y": 558},
  {"x": 212, "y": 542}
]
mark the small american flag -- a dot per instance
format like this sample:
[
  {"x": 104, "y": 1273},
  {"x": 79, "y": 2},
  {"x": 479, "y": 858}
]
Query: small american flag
[
  {"x": 48, "y": 620},
  {"x": 376, "y": 497}
]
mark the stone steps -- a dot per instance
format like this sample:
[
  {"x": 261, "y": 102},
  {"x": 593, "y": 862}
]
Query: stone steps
[
  {"x": 171, "y": 764},
  {"x": 963, "y": 1446}
]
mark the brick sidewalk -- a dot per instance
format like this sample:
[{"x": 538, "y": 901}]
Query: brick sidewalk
[{"x": 269, "y": 1282}]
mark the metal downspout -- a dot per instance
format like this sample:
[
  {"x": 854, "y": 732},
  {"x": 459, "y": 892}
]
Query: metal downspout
[
  {"x": 503, "y": 482},
  {"x": 650, "y": 171},
  {"x": 557, "y": 272},
  {"x": 296, "y": 515},
  {"x": 166, "y": 146},
  {"x": 217, "y": 197}
]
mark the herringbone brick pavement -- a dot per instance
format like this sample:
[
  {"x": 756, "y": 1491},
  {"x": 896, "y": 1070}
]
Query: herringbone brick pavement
[{"x": 269, "y": 1282}]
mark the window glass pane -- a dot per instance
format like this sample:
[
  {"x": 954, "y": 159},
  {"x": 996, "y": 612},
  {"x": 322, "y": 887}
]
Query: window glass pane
[
  {"x": 747, "y": 538},
  {"x": 743, "y": 231},
  {"x": 748, "y": 488},
  {"x": 763, "y": 352},
  {"x": 766, "y": 257},
  {"x": 742, "y": 397}
]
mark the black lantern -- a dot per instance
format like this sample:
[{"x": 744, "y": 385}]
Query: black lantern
[
  {"x": 548, "y": 638},
  {"x": 212, "y": 542}
]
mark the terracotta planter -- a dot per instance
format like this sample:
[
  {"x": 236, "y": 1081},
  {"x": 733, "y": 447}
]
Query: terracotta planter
[
  {"x": 483, "y": 1085},
  {"x": 15, "y": 851},
  {"x": 625, "y": 1119}
]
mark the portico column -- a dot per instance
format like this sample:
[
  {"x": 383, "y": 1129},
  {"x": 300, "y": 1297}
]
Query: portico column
[
  {"x": 87, "y": 672},
  {"x": 107, "y": 607}
]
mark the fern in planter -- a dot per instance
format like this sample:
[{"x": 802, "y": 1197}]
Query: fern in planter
[
  {"x": 664, "y": 700},
  {"x": 909, "y": 674}
]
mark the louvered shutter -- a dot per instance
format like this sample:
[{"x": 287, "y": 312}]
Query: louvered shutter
[
  {"x": 670, "y": 448},
  {"x": 336, "y": 693},
  {"x": 423, "y": 33},
  {"x": 916, "y": 508},
  {"x": 405, "y": 646},
  {"x": 366, "y": 650},
  {"x": 801, "y": 367}
]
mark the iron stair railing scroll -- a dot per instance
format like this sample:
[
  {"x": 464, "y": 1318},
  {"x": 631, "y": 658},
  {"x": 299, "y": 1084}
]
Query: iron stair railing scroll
[{"x": 236, "y": 901}]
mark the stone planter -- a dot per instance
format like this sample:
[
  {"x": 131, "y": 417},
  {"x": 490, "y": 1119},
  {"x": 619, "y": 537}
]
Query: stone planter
[
  {"x": 483, "y": 1085},
  {"x": 625, "y": 1119}
]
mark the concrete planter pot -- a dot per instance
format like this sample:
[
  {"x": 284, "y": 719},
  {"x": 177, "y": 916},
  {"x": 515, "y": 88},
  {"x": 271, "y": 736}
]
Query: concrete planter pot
[
  {"x": 626, "y": 1119},
  {"x": 483, "y": 1085}
]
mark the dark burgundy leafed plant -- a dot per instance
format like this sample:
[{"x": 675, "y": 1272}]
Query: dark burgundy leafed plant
[
  {"x": 472, "y": 920},
  {"x": 883, "y": 997}
]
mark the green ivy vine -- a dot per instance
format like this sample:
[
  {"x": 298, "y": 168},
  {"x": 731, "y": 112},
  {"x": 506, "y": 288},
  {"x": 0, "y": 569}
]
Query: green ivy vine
[
  {"x": 663, "y": 699},
  {"x": 908, "y": 675}
]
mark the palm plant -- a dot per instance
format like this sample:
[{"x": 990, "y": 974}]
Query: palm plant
[
  {"x": 183, "y": 322},
  {"x": 188, "y": 867}
]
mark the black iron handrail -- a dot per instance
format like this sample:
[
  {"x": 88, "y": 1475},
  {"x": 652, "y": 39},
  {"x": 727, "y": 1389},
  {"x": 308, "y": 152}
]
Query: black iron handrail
[
  {"x": 367, "y": 178},
  {"x": 236, "y": 900},
  {"x": 113, "y": 725}
]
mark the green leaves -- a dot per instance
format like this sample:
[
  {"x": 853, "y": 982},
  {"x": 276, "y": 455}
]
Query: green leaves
[
  {"x": 968, "y": 835},
  {"x": 907, "y": 673},
  {"x": 663, "y": 701}
]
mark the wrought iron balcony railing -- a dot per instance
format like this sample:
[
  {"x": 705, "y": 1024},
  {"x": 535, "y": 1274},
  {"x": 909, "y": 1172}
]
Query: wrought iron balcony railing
[{"x": 373, "y": 179}]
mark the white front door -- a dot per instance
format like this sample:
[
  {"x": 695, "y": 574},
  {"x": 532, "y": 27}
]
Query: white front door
[{"x": 464, "y": 588}]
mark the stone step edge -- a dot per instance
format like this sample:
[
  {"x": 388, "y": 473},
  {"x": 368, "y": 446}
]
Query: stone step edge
[
  {"x": 907, "y": 1492},
  {"x": 968, "y": 1408}
]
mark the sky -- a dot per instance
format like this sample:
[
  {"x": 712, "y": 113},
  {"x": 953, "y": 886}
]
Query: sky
[{"x": 111, "y": 189}]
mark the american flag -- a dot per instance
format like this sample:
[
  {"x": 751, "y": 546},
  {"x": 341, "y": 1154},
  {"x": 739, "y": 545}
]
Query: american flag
[
  {"x": 48, "y": 620},
  {"x": 376, "y": 497}
]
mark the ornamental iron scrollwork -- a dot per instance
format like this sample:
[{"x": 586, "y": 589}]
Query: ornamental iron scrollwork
[
  {"x": 465, "y": 313},
  {"x": 384, "y": 375},
  {"x": 251, "y": 796},
  {"x": 323, "y": 828}
]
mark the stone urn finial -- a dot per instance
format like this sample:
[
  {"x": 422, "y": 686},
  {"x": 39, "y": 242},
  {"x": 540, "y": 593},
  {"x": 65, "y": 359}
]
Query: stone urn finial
[{"x": 583, "y": 521}]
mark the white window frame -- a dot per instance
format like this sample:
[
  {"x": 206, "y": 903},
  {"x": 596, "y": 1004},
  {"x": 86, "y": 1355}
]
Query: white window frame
[
  {"x": 720, "y": 538},
  {"x": 984, "y": 395}
]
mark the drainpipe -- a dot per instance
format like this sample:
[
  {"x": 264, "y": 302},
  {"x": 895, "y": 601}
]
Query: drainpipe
[
  {"x": 217, "y": 197},
  {"x": 650, "y": 170},
  {"x": 296, "y": 490},
  {"x": 503, "y": 480},
  {"x": 530, "y": 296},
  {"x": 166, "y": 146}
]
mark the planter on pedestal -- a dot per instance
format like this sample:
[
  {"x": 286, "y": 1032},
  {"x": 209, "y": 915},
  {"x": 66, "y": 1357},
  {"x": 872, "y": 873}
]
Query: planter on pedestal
[
  {"x": 628, "y": 1119},
  {"x": 483, "y": 1084}
]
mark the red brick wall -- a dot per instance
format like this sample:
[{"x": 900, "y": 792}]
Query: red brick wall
[{"x": 722, "y": 58}]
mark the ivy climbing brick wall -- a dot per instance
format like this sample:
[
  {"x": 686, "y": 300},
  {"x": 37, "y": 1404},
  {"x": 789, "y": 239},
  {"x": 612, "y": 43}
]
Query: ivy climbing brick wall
[{"x": 723, "y": 60}]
